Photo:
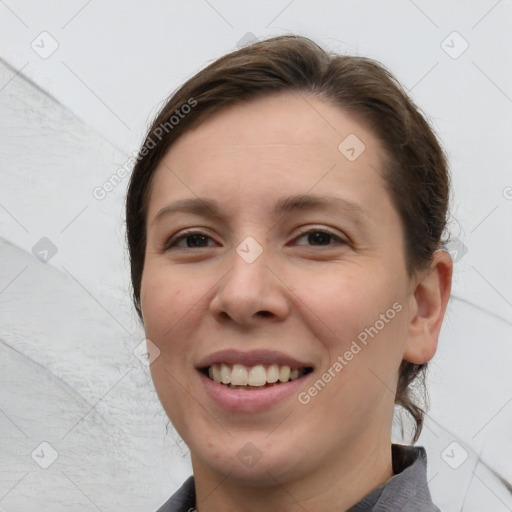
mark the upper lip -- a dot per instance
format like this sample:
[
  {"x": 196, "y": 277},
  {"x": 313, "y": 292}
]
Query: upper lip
[{"x": 252, "y": 358}]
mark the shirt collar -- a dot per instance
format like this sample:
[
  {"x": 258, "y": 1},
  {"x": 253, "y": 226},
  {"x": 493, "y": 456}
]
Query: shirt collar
[{"x": 407, "y": 490}]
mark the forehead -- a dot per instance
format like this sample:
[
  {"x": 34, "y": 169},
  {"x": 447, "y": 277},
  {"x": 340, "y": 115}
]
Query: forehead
[
  {"x": 281, "y": 142},
  {"x": 279, "y": 120}
]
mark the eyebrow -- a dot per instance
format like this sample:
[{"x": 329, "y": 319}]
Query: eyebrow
[{"x": 210, "y": 208}]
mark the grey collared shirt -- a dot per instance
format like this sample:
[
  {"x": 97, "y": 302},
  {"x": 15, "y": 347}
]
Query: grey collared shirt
[{"x": 406, "y": 491}]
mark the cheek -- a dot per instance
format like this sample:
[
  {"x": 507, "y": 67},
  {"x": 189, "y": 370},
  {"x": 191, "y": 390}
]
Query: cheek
[
  {"x": 364, "y": 321},
  {"x": 168, "y": 300},
  {"x": 346, "y": 300},
  {"x": 169, "y": 304}
]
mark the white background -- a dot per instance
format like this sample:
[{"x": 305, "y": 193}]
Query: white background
[{"x": 69, "y": 377}]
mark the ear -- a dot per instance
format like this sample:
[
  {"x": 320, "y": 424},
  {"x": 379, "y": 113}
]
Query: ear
[{"x": 427, "y": 306}]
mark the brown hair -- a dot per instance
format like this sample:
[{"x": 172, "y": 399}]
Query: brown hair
[{"x": 416, "y": 172}]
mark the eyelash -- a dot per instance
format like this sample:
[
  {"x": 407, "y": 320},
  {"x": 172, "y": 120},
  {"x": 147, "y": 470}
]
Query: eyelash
[{"x": 172, "y": 243}]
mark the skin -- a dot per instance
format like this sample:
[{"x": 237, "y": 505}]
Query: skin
[{"x": 307, "y": 300}]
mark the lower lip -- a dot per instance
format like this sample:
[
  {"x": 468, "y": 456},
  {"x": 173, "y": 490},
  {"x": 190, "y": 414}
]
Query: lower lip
[{"x": 257, "y": 400}]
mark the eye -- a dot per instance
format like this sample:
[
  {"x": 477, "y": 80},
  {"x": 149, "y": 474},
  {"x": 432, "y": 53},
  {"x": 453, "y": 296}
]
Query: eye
[
  {"x": 189, "y": 240},
  {"x": 198, "y": 240},
  {"x": 318, "y": 237}
]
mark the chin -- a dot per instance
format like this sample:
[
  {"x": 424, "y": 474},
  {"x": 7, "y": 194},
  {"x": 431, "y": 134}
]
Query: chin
[{"x": 251, "y": 466}]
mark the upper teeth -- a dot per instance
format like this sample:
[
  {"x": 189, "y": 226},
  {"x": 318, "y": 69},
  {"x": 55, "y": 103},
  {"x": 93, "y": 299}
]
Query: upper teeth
[{"x": 240, "y": 375}]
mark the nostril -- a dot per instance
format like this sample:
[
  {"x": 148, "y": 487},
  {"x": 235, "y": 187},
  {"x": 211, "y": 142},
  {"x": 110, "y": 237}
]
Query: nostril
[{"x": 264, "y": 313}]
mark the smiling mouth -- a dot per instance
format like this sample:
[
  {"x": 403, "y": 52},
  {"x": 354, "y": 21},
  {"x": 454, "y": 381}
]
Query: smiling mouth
[{"x": 239, "y": 376}]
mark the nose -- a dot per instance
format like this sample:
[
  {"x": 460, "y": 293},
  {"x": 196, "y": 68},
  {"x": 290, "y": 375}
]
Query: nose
[{"x": 250, "y": 293}]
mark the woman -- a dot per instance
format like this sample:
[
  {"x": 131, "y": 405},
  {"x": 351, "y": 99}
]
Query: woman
[{"x": 284, "y": 222}]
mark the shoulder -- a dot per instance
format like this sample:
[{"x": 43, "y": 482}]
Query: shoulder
[
  {"x": 408, "y": 490},
  {"x": 183, "y": 500}
]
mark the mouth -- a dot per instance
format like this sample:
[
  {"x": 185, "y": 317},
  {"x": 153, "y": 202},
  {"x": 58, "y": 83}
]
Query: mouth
[
  {"x": 252, "y": 378},
  {"x": 252, "y": 381}
]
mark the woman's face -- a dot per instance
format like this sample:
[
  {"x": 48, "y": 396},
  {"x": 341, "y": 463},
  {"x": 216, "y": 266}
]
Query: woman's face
[{"x": 278, "y": 247}]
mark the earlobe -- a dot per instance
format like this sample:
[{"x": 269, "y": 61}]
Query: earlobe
[{"x": 427, "y": 308}]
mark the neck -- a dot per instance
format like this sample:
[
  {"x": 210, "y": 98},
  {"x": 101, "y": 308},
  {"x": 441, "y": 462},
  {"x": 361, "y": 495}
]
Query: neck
[{"x": 335, "y": 486}]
